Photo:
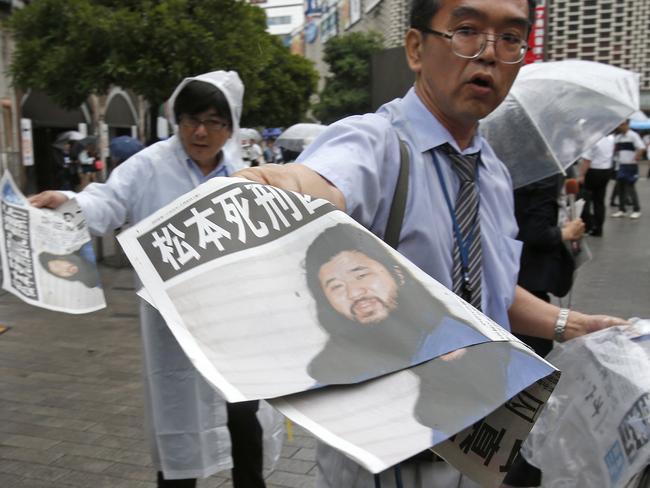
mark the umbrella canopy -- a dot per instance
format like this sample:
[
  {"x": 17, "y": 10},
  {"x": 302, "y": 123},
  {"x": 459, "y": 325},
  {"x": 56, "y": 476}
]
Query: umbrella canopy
[
  {"x": 556, "y": 111},
  {"x": 640, "y": 124},
  {"x": 122, "y": 148},
  {"x": 67, "y": 136},
  {"x": 271, "y": 132},
  {"x": 639, "y": 115},
  {"x": 299, "y": 136},
  {"x": 88, "y": 141},
  {"x": 248, "y": 134}
]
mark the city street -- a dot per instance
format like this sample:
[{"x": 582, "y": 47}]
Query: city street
[{"x": 70, "y": 388}]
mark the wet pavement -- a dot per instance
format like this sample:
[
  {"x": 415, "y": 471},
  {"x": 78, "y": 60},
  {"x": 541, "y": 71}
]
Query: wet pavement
[{"x": 71, "y": 395}]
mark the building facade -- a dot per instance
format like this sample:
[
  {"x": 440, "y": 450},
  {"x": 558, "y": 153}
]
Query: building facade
[{"x": 607, "y": 31}]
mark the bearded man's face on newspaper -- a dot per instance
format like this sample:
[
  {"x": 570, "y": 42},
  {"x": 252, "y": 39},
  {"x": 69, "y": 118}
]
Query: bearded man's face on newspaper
[
  {"x": 62, "y": 268},
  {"x": 359, "y": 287}
]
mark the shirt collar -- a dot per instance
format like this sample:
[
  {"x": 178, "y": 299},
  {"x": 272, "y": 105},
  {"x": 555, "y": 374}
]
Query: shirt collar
[
  {"x": 427, "y": 132},
  {"x": 220, "y": 170}
]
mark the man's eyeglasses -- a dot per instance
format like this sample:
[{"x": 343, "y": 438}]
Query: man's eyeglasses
[
  {"x": 469, "y": 44},
  {"x": 211, "y": 125}
]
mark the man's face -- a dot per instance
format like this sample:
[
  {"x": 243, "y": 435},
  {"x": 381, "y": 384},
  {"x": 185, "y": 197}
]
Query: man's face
[
  {"x": 359, "y": 287},
  {"x": 459, "y": 91},
  {"x": 623, "y": 127},
  {"x": 202, "y": 143},
  {"x": 62, "y": 268}
]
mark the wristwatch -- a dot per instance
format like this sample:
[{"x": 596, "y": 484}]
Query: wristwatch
[{"x": 560, "y": 324}]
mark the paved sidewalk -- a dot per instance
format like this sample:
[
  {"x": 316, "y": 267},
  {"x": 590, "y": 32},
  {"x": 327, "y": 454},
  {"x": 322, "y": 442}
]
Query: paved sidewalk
[
  {"x": 71, "y": 400},
  {"x": 70, "y": 389}
]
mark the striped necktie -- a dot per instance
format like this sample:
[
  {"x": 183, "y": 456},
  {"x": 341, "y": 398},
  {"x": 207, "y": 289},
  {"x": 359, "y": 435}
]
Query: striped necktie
[{"x": 466, "y": 279}]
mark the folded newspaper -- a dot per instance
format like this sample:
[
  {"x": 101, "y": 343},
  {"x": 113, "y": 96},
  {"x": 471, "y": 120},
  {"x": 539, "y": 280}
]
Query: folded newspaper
[
  {"x": 596, "y": 429},
  {"x": 47, "y": 255},
  {"x": 273, "y": 294}
]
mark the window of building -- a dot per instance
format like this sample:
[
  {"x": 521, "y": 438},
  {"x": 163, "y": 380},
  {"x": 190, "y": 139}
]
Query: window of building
[{"x": 278, "y": 20}]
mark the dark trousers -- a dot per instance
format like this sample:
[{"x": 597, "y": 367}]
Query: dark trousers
[
  {"x": 247, "y": 454},
  {"x": 523, "y": 473},
  {"x": 616, "y": 193},
  {"x": 596, "y": 181},
  {"x": 628, "y": 190},
  {"x": 246, "y": 438}
]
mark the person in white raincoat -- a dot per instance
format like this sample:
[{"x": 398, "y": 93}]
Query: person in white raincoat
[{"x": 187, "y": 419}]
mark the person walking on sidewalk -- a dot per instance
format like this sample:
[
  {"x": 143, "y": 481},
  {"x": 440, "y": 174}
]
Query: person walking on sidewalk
[
  {"x": 190, "y": 425},
  {"x": 628, "y": 151},
  {"x": 595, "y": 173}
]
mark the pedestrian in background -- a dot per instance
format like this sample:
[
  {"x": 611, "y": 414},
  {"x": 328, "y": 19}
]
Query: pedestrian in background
[
  {"x": 628, "y": 151},
  {"x": 272, "y": 153},
  {"x": 192, "y": 429},
  {"x": 594, "y": 175}
]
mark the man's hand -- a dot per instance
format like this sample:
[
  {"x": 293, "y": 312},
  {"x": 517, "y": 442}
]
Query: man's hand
[
  {"x": 271, "y": 174},
  {"x": 573, "y": 230},
  {"x": 579, "y": 324},
  {"x": 294, "y": 177},
  {"x": 534, "y": 317},
  {"x": 48, "y": 199}
]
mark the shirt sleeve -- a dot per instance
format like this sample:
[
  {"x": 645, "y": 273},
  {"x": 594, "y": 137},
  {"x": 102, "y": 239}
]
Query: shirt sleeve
[
  {"x": 106, "y": 206},
  {"x": 589, "y": 153},
  {"x": 638, "y": 142},
  {"x": 359, "y": 155}
]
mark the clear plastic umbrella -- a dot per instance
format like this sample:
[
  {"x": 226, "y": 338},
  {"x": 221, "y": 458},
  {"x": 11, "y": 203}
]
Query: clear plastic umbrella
[
  {"x": 246, "y": 134},
  {"x": 67, "y": 136},
  {"x": 299, "y": 136},
  {"x": 556, "y": 111}
]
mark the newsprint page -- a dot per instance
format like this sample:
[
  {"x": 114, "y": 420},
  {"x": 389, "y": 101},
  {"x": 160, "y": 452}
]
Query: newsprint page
[
  {"x": 274, "y": 295},
  {"x": 47, "y": 256}
]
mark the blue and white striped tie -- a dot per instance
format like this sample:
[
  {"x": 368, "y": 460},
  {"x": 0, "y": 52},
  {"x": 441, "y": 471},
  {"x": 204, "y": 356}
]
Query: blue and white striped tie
[{"x": 468, "y": 284}]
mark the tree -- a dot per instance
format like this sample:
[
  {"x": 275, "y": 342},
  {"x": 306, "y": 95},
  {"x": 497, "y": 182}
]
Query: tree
[
  {"x": 71, "y": 49},
  {"x": 346, "y": 89}
]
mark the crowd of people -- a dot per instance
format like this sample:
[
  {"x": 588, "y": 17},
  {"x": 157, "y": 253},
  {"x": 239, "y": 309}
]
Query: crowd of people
[
  {"x": 78, "y": 164},
  {"x": 463, "y": 224}
]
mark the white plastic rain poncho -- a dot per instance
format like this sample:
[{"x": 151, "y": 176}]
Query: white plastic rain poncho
[{"x": 186, "y": 417}]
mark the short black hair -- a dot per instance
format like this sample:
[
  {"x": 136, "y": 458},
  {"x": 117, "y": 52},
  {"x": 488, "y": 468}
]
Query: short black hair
[
  {"x": 335, "y": 240},
  {"x": 422, "y": 11},
  {"x": 199, "y": 96}
]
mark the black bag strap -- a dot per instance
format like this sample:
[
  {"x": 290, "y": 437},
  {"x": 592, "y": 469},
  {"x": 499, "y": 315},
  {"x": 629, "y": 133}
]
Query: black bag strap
[{"x": 397, "y": 208}]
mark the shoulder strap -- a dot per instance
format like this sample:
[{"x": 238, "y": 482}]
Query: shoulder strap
[{"x": 397, "y": 208}]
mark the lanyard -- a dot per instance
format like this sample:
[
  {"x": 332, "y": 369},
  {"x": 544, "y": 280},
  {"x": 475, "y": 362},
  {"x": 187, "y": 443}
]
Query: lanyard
[{"x": 464, "y": 245}]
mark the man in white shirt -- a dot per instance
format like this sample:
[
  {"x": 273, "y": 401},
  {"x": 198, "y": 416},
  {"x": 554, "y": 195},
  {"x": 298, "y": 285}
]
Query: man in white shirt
[
  {"x": 595, "y": 173},
  {"x": 628, "y": 151}
]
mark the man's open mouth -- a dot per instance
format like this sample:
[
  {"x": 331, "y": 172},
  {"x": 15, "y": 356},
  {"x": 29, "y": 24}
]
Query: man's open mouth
[{"x": 482, "y": 81}]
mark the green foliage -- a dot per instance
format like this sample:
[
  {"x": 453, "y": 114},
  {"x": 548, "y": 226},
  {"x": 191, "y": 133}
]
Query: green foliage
[
  {"x": 347, "y": 89},
  {"x": 73, "y": 48}
]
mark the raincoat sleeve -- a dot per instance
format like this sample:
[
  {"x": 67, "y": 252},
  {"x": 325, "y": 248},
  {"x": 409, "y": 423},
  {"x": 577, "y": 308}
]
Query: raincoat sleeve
[{"x": 107, "y": 206}]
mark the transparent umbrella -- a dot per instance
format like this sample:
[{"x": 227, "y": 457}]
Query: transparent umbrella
[
  {"x": 299, "y": 136},
  {"x": 556, "y": 111},
  {"x": 67, "y": 136},
  {"x": 248, "y": 134}
]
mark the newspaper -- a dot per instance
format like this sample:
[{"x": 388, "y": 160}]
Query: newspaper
[
  {"x": 596, "y": 429},
  {"x": 47, "y": 255},
  {"x": 473, "y": 406},
  {"x": 275, "y": 295}
]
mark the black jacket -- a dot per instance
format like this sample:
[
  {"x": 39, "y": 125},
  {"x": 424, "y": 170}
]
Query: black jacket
[{"x": 546, "y": 263}]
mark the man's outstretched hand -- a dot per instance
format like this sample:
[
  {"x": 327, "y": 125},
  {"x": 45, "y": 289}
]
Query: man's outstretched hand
[
  {"x": 580, "y": 324},
  {"x": 48, "y": 199}
]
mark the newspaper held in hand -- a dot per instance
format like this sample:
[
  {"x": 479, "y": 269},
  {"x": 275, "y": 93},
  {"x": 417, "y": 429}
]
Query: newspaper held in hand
[
  {"x": 47, "y": 255},
  {"x": 272, "y": 293},
  {"x": 596, "y": 428}
]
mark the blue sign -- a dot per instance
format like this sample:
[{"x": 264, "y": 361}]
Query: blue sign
[
  {"x": 313, "y": 7},
  {"x": 311, "y": 32}
]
